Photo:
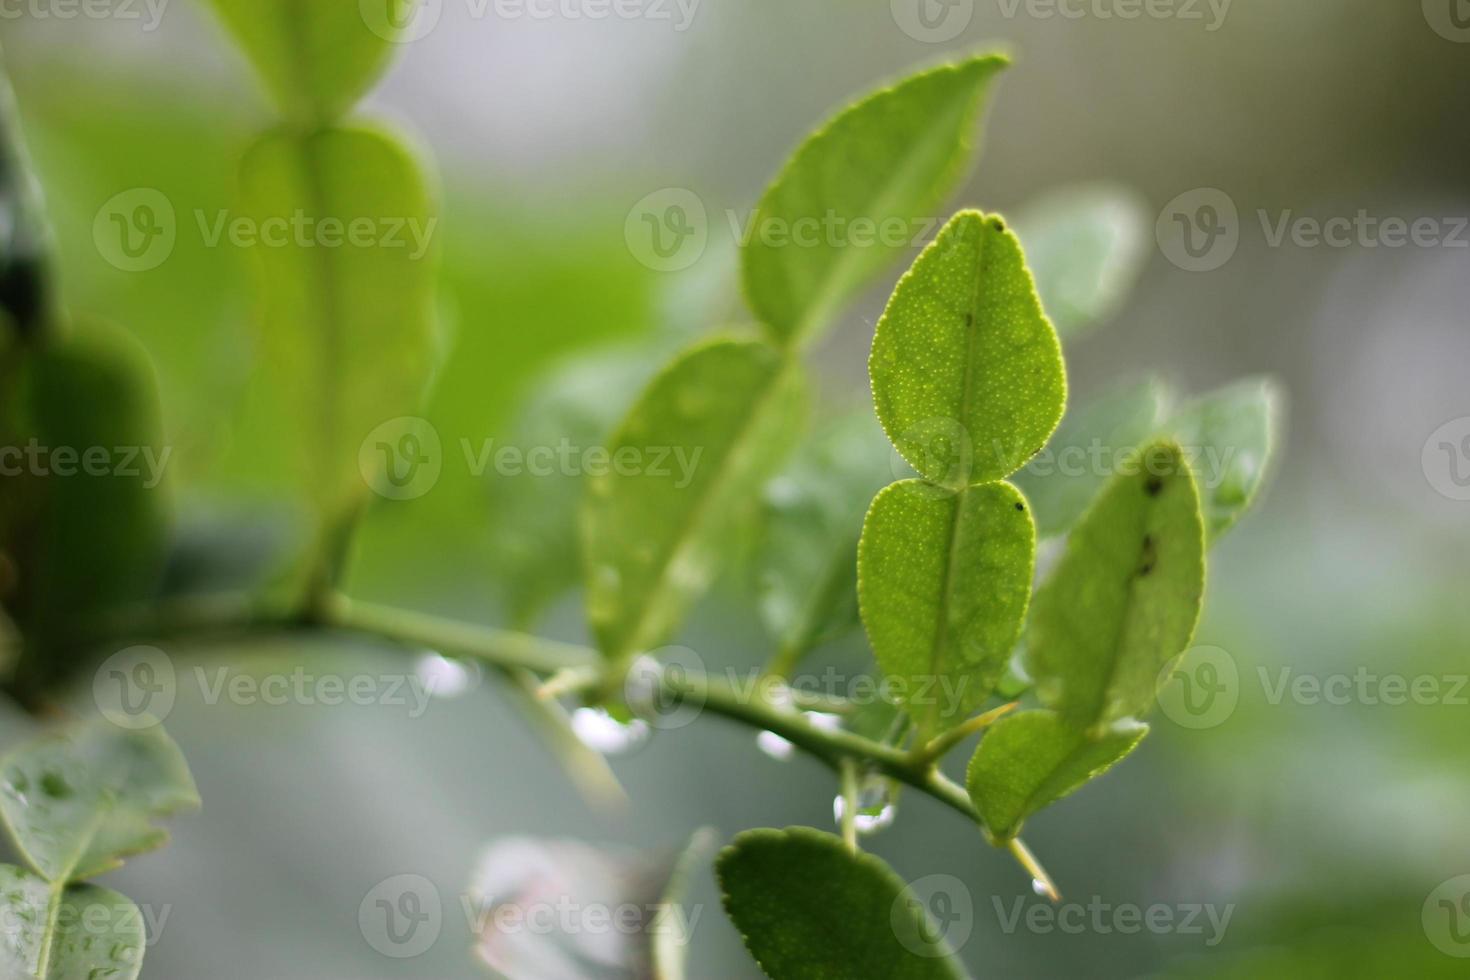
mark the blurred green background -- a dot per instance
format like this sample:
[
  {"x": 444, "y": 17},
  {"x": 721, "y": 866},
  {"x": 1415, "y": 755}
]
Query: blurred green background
[{"x": 1324, "y": 827}]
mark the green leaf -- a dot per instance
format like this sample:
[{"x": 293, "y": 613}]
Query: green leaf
[
  {"x": 1068, "y": 474},
  {"x": 1125, "y": 596},
  {"x": 518, "y": 870},
  {"x": 348, "y": 330},
  {"x": 1086, "y": 246},
  {"x": 86, "y": 532},
  {"x": 943, "y": 582},
  {"x": 1230, "y": 435},
  {"x": 97, "y": 934},
  {"x": 1028, "y": 761},
  {"x": 888, "y": 161},
  {"x": 703, "y": 437},
  {"x": 809, "y": 909},
  {"x": 77, "y": 803},
  {"x": 806, "y": 566},
  {"x": 967, "y": 373},
  {"x": 317, "y": 57}
]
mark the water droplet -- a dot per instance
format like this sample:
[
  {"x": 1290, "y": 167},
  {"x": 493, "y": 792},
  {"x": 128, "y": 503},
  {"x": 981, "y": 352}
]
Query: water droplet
[
  {"x": 444, "y": 677},
  {"x": 875, "y": 807},
  {"x": 603, "y": 733},
  {"x": 775, "y": 746},
  {"x": 1039, "y": 887}
]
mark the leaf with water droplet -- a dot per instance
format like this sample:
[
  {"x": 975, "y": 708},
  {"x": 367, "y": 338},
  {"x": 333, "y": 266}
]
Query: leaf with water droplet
[
  {"x": 967, "y": 373},
  {"x": 1029, "y": 760},
  {"x": 1230, "y": 435},
  {"x": 944, "y": 578},
  {"x": 1086, "y": 245},
  {"x": 1125, "y": 596},
  {"x": 90, "y": 797},
  {"x": 809, "y": 909},
  {"x": 859, "y": 191},
  {"x": 1089, "y": 444},
  {"x": 686, "y": 466},
  {"x": 97, "y": 933}
]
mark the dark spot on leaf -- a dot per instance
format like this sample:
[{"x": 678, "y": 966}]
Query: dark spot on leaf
[
  {"x": 1020, "y": 506},
  {"x": 1153, "y": 485},
  {"x": 53, "y": 785},
  {"x": 969, "y": 319},
  {"x": 1150, "y": 556}
]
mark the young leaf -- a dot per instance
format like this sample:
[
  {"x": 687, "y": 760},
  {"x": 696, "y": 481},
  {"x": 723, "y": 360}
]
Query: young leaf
[
  {"x": 86, "y": 541},
  {"x": 688, "y": 459},
  {"x": 859, "y": 190},
  {"x": 348, "y": 334},
  {"x": 967, "y": 373},
  {"x": 806, "y": 566},
  {"x": 1064, "y": 479},
  {"x": 1231, "y": 434},
  {"x": 77, "y": 803},
  {"x": 809, "y": 909},
  {"x": 1031, "y": 760},
  {"x": 1086, "y": 246},
  {"x": 94, "y": 933},
  {"x": 1125, "y": 596},
  {"x": 943, "y": 582},
  {"x": 317, "y": 56}
]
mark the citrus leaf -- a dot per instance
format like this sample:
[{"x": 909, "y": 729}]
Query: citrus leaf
[
  {"x": 77, "y": 803},
  {"x": 967, "y": 373},
  {"x": 96, "y": 934},
  {"x": 1231, "y": 434},
  {"x": 809, "y": 909},
  {"x": 687, "y": 462},
  {"x": 348, "y": 330},
  {"x": 1125, "y": 596},
  {"x": 943, "y": 582},
  {"x": 87, "y": 533},
  {"x": 1030, "y": 760},
  {"x": 806, "y": 566},
  {"x": 888, "y": 161},
  {"x": 1087, "y": 446},
  {"x": 1086, "y": 246},
  {"x": 317, "y": 57}
]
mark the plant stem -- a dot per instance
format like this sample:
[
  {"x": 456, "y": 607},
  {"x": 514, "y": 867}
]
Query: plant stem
[
  {"x": 945, "y": 741},
  {"x": 849, "y": 774}
]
